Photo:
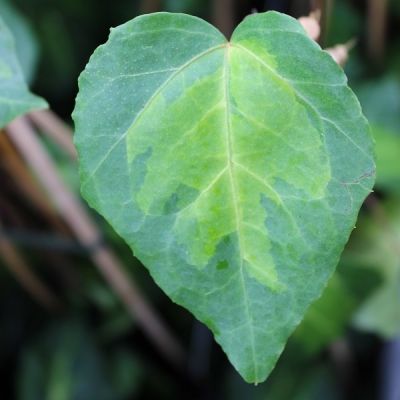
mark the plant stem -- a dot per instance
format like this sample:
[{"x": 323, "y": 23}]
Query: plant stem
[
  {"x": 16, "y": 168},
  {"x": 79, "y": 221},
  {"x": 224, "y": 16},
  {"x": 377, "y": 13},
  {"x": 150, "y": 6},
  {"x": 51, "y": 125}
]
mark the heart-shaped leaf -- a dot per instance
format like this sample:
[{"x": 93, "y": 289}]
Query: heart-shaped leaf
[
  {"x": 234, "y": 170},
  {"x": 15, "y": 98}
]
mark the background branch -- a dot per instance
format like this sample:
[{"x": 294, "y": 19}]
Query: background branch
[{"x": 75, "y": 215}]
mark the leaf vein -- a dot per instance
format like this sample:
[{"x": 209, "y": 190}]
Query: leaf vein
[
  {"x": 278, "y": 196},
  {"x": 229, "y": 148},
  {"x": 147, "y": 105},
  {"x": 318, "y": 112}
]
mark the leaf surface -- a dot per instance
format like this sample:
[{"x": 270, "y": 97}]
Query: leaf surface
[
  {"x": 234, "y": 170},
  {"x": 15, "y": 98}
]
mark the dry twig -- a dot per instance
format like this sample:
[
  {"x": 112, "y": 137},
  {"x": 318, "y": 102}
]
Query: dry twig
[
  {"x": 224, "y": 16},
  {"x": 340, "y": 52},
  {"x": 377, "y": 15},
  {"x": 311, "y": 24},
  {"x": 74, "y": 213},
  {"x": 51, "y": 125}
]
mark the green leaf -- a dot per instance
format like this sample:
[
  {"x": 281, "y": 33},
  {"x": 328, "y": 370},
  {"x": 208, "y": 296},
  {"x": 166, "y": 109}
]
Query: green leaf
[
  {"x": 64, "y": 363},
  {"x": 324, "y": 322},
  {"x": 15, "y": 98},
  {"x": 306, "y": 384},
  {"x": 376, "y": 247},
  {"x": 296, "y": 377},
  {"x": 26, "y": 45},
  {"x": 234, "y": 170},
  {"x": 345, "y": 23},
  {"x": 380, "y": 101},
  {"x": 387, "y": 156}
]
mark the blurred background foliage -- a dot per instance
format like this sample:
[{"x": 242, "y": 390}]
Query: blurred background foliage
[{"x": 87, "y": 346}]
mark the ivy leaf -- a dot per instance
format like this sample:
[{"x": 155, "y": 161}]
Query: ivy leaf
[
  {"x": 234, "y": 170},
  {"x": 15, "y": 98}
]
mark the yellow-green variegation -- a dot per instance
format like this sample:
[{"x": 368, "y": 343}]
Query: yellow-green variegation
[{"x": 234, "y": 170}]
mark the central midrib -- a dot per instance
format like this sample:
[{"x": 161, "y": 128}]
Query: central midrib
[{"x": 234, "y": 189}]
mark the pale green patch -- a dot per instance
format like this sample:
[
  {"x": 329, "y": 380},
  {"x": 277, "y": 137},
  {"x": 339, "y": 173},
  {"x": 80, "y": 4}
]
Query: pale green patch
[
  {"x": 207, "y": 149},
  {"x": 15, "y": 98},
  {"x": 235, "y": 170},
  {"x": 5, "y": 70}
]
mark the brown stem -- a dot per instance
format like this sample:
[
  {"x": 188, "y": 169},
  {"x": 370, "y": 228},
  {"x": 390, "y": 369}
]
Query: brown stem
[
  {"x": 340, "y": 52},
  {"x": 14, "y": 166},
  {"x": 150, "y": 6},
  {"x": 25, "y": 139},
  {"x": 377, "y": 12},
  {"x": 224, "y": 16},
  {"x": 103, "y": 257},
  {"x": 51, "y": 125},
  {"x": 324, "y": 8}
]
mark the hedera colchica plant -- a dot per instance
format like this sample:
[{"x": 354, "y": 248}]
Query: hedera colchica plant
[
  {"x": 234, "y": 169},
  {"x": 15, "y": 98}
]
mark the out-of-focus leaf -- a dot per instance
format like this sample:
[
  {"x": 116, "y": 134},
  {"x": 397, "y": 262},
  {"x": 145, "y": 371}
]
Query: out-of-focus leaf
[
  {"x": 345, "y": 23},
  {"x": 238, "y": 194},
  {"x": 387, "y": 159},
  {"x": 54, "y": 33},
  {"x": 65, "y": 364},
  {"x": 380, "y": 100},
  {"x": 117, "y": 321},
  {"x": 125, "y": 372},
  {"x": 15, "y": 98},
  {"x": 315, "y": 384},
  {"x": 116, "y": 325},
  {"x": 294, "y": 378},
  {"x": 25, "y": 39},
  {"x": 395, "y": 7},
  {"x": 325, "y": 321},
  {"x": 381, "y": 313},
  {"x": 376, "y": 245},
  {"x": 187, "y": 6},
  {"x": 101, "y": 295},
  {"x": 381, "y": 104}
]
